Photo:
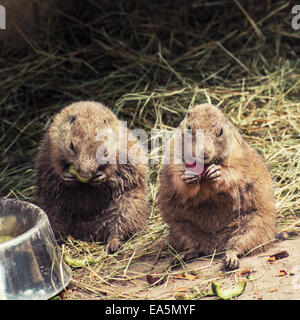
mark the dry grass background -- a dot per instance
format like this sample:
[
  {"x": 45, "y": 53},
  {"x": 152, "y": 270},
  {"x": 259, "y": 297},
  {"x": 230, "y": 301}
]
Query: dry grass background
[{"x": 150, "y": 61}]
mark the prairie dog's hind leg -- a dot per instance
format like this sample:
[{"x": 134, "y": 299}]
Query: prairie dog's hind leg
[
  {"x": 257, "y": 234},
  {"x": 184, "y": 243}
]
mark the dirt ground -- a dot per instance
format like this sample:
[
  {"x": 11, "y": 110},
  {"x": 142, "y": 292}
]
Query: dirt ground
[
  {"x": 265, "y": 279},
  {"x": 278, "y": 280}
]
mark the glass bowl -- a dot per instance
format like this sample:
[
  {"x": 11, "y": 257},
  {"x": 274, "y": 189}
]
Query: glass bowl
[{"x": 31, "y": 266}]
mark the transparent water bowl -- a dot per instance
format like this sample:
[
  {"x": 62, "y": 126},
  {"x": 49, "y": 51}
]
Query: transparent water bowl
[{"x": 31, "y": 266}]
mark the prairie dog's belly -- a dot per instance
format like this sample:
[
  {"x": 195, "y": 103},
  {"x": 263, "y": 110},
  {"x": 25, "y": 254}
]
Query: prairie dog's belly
[{"x": 211, "y": 215}]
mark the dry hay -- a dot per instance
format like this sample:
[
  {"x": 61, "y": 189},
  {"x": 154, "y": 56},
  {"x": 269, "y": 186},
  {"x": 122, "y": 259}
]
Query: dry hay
[{"x": 150, "y": 61}]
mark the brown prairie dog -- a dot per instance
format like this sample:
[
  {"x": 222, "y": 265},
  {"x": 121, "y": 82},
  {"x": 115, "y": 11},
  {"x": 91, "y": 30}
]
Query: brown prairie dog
[
  {"x": 227, "y": 207},
  {"x": 103, "y": 202}
]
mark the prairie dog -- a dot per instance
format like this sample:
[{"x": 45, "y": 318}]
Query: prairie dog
[
  {"x": 103, "y": 202},
  {"x": 229, "y": 205}
]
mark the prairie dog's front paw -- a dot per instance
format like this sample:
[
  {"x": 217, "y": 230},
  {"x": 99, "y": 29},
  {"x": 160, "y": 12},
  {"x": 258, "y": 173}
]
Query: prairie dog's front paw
[
  {"x": 213, "y": 172},
  {"x": 68, "y": 178},
  {"x": 190, "y": 178},
  {"x": 98, "y": 179}
]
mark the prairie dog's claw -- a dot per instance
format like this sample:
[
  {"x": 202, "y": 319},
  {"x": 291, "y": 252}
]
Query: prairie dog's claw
[
  {"x": 231, "y": 260},
  {"x": 189, "y": 178},
  {"x": 213, "y": 172}
]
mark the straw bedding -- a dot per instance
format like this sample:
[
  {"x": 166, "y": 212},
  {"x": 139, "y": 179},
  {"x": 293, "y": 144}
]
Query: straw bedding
[{"x": 149, "y": 61}]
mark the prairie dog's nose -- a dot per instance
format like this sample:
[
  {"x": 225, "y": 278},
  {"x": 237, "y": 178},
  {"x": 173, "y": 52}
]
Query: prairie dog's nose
[
  {"x": 209, "y": 149},
  {"x": 86, "y": 167}
]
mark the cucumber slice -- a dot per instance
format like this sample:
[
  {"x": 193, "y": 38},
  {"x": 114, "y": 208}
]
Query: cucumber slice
[
  {"x": 228, "y": 293},
  {"x": 75, "y": 173}
]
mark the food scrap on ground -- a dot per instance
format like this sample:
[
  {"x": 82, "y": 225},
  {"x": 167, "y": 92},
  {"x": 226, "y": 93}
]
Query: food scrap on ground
[{"x": 226, "y": 294}]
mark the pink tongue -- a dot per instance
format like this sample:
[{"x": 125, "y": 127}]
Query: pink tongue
[
  {"x": 190, "y": 164},
  {"x": 195, "y": 168}
]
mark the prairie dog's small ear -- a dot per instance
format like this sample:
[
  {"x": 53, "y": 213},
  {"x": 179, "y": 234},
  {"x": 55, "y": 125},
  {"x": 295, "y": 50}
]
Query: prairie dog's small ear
[{"x": 183, "y": 123}]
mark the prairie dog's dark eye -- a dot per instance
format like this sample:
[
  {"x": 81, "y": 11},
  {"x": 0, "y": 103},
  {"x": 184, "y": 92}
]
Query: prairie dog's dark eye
[
  {"x": 72, "y": 119},
  {"x": 72, "y": 146},
  {"x": 220, "y": 132}
]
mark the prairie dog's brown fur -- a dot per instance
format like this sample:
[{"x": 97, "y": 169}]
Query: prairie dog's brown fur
[
  {"x": 112, "y": 206},
  {"x": 231, "y": 207}
]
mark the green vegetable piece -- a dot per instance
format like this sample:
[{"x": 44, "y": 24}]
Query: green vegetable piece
[
  {"x": 75, "y": 173},
  {"x": 228, "y": 293},
  {"x": 77, "y": 263},
  {"x": 80, "y": 263}
]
